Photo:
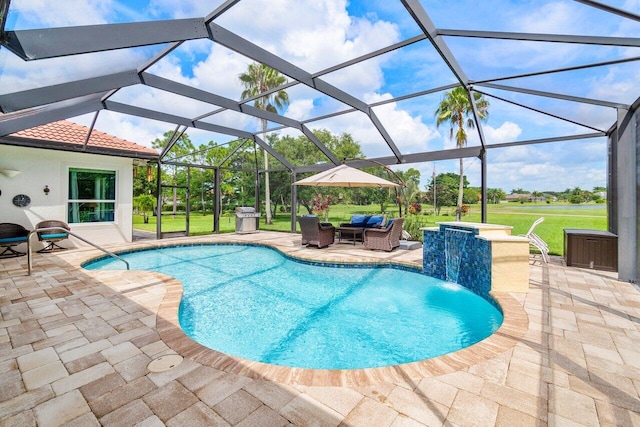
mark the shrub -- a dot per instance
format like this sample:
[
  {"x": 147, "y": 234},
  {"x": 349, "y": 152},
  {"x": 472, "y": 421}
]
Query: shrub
[
  {"x": 412, "y": 226},
  {"x": 575, "y": 199}
]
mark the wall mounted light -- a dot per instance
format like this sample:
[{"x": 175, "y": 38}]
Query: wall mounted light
[
  {"x": 46, "y": 190},
  {"x": 9, "y": 173}
]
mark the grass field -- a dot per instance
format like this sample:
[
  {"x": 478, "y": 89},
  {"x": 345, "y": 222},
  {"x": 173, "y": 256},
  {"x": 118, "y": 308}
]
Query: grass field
[{"x": 519, "y": 216}]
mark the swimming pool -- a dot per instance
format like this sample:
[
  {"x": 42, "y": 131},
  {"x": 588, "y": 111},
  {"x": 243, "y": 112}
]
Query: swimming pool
[{"x": 253, "y": 302}]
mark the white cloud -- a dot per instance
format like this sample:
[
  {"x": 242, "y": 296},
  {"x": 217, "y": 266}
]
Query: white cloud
[
  {"x": 219, "y": 72},
  {"x": 126, "y": 127},
  {"x": 507, "y": 132},
  {"x": 300, "y": 109},
  {"x": 44, "y": 13},
  {"x": 409, "y": 133},
  {"x": 323, "y": 35},
  {"x": 552, "y": 17}
]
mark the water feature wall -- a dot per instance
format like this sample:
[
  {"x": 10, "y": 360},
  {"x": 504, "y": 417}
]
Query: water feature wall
[
  {"x": 480, "y": 257},
  {"x": 459, "y": 246},
  {"x": 455, "y": 248}
]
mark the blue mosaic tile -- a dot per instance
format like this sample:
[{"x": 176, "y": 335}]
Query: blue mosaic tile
[{"x": 471, "y": 256}]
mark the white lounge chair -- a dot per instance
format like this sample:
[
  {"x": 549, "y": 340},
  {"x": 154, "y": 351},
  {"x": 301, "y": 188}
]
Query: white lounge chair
[{"x": 537, "y": 242}]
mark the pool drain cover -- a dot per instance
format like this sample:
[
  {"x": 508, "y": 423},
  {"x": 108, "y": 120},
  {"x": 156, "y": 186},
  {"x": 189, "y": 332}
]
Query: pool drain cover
[{"x": 164, "y": 363}]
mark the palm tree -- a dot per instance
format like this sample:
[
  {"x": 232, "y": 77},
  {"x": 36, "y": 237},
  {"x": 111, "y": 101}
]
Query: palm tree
[
  {"x": 456, "y": 109},
  {"x": 257, "y": 80}
]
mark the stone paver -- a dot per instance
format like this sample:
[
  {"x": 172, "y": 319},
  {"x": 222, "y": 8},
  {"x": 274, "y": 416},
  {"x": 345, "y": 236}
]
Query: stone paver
[
  {"x": 37, "y": 359},
  {"x": 370, "y": 412},
  {"x": 45, "y": 374},
  {"x": 237, "y": 407},
  {"x": 263, "y": 417},
  {"x": 198, "y": 415},
  {"x": 168, "y": 401},
  {"x": 128, "y": 415},
  {"x": 75, "y": 345},
  {"x": 61, "y": 410}
]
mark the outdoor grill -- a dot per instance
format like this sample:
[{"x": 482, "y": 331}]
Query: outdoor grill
[{"x": 246, "y": 219}]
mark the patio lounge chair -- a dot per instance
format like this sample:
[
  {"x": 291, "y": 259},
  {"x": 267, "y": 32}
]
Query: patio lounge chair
[
  {"x": 537, "y": 242},
  {"x": 52, "y": 236},
  {"x": 315, "y": 232},
  {"x": 12, "y": 235},
  {"x": 385, "y": 239}
]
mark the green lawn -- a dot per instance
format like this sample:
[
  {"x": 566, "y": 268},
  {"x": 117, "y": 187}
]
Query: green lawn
[{"x": 519, "y": 216}]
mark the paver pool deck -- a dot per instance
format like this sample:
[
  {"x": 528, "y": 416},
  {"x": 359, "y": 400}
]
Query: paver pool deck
[{"x": 75, "y": 346}]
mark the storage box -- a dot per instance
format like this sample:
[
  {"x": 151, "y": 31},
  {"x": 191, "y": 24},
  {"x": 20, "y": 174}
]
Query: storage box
[{"x": 591, "y": 249}]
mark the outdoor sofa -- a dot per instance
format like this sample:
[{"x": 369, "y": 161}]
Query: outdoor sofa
[{"x": 365, "y": 221}]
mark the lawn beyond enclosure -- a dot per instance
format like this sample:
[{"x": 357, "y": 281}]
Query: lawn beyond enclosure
[{"x": 519, "y": 216}]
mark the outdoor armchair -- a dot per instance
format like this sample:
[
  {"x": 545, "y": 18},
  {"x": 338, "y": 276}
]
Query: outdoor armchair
[
  {"x": 52, "y": 236},
  {"x": 316, "y": 233},
  {"x": 385, "y": 239},
  {"x": 12, "y": 235}
]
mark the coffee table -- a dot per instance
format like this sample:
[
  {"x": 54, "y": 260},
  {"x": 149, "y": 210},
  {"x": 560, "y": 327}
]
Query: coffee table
[{"x": 354, "y": 234}]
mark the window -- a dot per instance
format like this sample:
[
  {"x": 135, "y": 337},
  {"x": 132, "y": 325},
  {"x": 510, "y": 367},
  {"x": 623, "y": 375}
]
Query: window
[{"x": 92, "y": 195}]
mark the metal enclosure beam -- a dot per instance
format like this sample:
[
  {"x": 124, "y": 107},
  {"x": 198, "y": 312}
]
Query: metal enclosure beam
[
  {"x": 294, "y": 202},
  {"x": 610, "y": 9},
  {"x": 55, "y": 42},
  {"x": 628, "y": 194},
  {"x": 431, "y": 156},
  {"x": 15, "y": 122},
  {"x": 50, "y": 94},
  {"x": 427, "y": 26},
  {"x": 271, "y": 151},
  {"x": 555, "y": 95},
  {"x": 555, "y": 116},
  {"x": 558, "y": 70},
  {"x": 483, "y": 180},
  {"x": 550, "y": 38},
  {"x": 217, "y": 200}
]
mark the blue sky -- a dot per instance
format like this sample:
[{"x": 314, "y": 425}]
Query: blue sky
[{"x": 315, "y": 35}]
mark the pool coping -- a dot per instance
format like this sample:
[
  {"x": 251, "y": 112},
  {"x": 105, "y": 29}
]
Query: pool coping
[{"x": 514, "y": 326}]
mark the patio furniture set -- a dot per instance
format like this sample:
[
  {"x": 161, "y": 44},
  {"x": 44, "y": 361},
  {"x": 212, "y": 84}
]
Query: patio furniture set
[
  {"x": 372, "y": 230},
  {"x": 48, "y": 231}
]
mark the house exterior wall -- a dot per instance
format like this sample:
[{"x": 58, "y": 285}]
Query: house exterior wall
[{"x": 39, "y": 167}]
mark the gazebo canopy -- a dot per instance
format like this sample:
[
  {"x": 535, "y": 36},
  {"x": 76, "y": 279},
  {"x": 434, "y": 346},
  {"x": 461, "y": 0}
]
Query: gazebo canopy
[{"x": 345, "y": 176}]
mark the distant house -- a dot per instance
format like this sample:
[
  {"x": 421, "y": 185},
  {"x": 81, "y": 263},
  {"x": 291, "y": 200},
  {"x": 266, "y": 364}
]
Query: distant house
[
  {"x": 85, "y": 182},
  {"x": 525, "y": 197}
]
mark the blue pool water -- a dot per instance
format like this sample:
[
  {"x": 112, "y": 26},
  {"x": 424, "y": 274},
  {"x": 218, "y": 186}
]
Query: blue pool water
[{"x": 255, "y": 303}]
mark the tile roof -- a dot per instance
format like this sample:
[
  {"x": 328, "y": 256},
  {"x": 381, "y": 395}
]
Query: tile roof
[{"x": 68, "y": 132}]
